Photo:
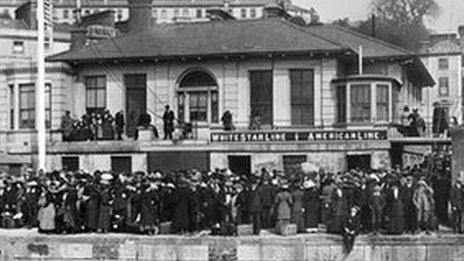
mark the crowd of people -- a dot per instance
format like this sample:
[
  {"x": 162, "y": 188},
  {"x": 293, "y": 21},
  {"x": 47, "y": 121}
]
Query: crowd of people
[{"x": 385, "y": 201}]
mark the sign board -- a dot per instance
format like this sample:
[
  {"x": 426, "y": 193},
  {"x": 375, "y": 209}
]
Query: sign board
[
  {"x": 100, "y": 32},
  {"x": 297, "y": 136}
]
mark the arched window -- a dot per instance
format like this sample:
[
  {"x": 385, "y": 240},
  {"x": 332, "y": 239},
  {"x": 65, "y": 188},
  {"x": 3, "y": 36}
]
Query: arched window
[{"x": 197, "y": 98}]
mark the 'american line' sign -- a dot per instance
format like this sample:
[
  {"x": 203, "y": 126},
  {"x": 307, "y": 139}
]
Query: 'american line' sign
[{"x": 298, "y": 136}]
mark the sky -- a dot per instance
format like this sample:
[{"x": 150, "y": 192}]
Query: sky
[{"x": 450, "y": 17}]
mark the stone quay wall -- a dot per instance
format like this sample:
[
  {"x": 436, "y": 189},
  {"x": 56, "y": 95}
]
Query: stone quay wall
[{"x": 317, "y": 247}]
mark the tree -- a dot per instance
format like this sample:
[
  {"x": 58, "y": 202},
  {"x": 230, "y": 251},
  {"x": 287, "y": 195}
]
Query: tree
[{"x": 405, "y": 11}]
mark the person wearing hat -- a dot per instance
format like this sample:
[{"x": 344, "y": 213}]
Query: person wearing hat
[
  {"x": 297, "y": 207},
  {"x": 423, "y": 200},
  {"x": 395, "y": 209},
  {"x": 311, "y": 205},
  {"x": 268, "y": 193},
  {"x": 351, "y": 229},
  {"x": 283, "y": 203},
  {"x": 149, "y": 214},
  {"x": 376, "y": 204},
  {"x": 457, "y": 205},
  {"x": 339, "y": 209},
  {"x": 29, "y": 205},
  {"x": 409, "y": 209},
  {"x": 255, "y": 207}
]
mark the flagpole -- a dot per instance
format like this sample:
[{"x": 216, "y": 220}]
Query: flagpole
[{"x": 40, "y": 86}]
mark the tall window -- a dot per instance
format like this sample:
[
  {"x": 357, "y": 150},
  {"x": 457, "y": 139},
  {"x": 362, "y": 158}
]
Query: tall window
[
  {"x": 444, "y": 86},
  {"x": 383, "y": 100},
  {"x": 443, "y": 63},
  {"x": 164, "y": 14},
  {"x": 261, "y": 98},
  {"x": 253, "y": 13},
  {"x": 119, "y": 18},
  {"x": 176, "y": 13},
  {"x": 243, "y": 13},
  {"x": 199, "y": 13},
  {"x": 12, "y": 106},
  {"x": 302, "y": 90},
  {"x": 197, "y": 98},
  {"x": 27, "y": 106},
  {"x": 185, "y": 13},
  {"x": 341, "y": 104},
  {"x": 66, "y": 14},
  {"x": 154, "y": 13},
  {"x": 360, "y": 103},
  {"x": 95, "y": 94}
]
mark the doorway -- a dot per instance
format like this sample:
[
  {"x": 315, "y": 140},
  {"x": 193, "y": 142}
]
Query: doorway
[
  {"x": 121, "y": 165},
  {"x": 136, "y": 100},
  {"x": 362, "y": 162},
  {"x": 240, "y": 165}
]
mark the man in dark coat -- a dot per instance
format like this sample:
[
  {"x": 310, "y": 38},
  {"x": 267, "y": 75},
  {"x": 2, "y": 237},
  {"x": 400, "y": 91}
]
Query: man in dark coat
[
  {"x": 255, "y": 207},
  {"x": 409, "y": 210},
  {"x": 268, "y": 196},
  {"x": 395, "y": 209},
  {"x": 351, "y": 229},
  {"x": 457, "y": 206},
  {"x": 119, "y": 124},
  {"x": 168, "y": 120},
  {"x": 339, "y": 209},
  {"x": 181, "y": 222},
  {"x": 376, "y": 205}
]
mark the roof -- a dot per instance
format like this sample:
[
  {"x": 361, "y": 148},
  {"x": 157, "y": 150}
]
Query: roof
[
  {"x": 372, "y": 47},
  {"x": 237, "y": 37}
]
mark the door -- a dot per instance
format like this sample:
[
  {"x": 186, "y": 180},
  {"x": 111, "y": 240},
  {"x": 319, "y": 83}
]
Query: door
[
  {"x": 121, "y": 165},
  {"x": 136, "y": 100},
  {"x": 178, "y": 161},
  {"x": 362, "y": 162},
  {"x": 240, "y": 165}
]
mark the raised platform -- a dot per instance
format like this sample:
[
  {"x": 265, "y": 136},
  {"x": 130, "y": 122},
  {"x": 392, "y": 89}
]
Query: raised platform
[{"x": 28, "y": 245}]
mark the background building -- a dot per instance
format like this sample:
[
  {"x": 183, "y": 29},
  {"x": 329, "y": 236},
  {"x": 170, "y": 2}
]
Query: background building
[
  {"x": 164, "y": 11},
  {"x": 442, "y": 55}
]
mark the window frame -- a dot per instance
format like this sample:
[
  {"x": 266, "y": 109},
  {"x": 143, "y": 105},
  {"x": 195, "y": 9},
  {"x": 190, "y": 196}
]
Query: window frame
[
  {"x": 443, "y": 84},
  {"x": 253, "y": 13},
  {"x": 262, "y": 103},
  {"x": 305, "y": 103},
  {"x": 373, "y": 102},
  {"x": 19, "y": 44},
  {"x": 443, "y": 63},
  {"x": 96, "y": 89},
  {"x": 30, "y": 123}
]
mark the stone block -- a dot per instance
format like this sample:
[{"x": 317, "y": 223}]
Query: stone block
[
  {"x": 193, "y": 253},
  {"x": 287, "y": 229},
  {"x": 440, "y": 253},
  {"x": 245, "y": 230},
  {"x": 279, "y": 253},
  {"x": 78, "y": 251},
  {"x": 248, "y": 253},
  {"x": 128, "y": 250},
  {"x": 146, "y": 135},
  {"x": 165, "y": 228}
]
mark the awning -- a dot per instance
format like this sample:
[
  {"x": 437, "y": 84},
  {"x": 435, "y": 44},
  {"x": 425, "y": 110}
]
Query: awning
[
  {"x": 417, "y": 73},
  {"x": 368, "y": 78}
]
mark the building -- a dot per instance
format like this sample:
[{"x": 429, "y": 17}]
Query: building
[
  {"x": 164, "y": 11},
  {"x": 442, "y": 55},
  {"x": 301, "y": 83},
  {"x": 18, "y": 68}
]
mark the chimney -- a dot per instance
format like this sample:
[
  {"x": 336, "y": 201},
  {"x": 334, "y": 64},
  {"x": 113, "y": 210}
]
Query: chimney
[
  {"x": 275, "y": 11},
  {"x": 27, "y": 14},
  {"x": 140, "y": 17},
  {"x": 78, "y": 38},
  {"x": 461, "y": 36},
  {"x": 94, "y": 27},
  {"x": 374, "y": 20}
]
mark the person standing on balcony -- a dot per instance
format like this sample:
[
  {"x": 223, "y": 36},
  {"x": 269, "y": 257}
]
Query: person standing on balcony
[
  {"x": 119, "y": 124},
  {"x": 168, "y": 120},
  {"x": 67, "y": 125},
  {"x": 227, "y": 121}
]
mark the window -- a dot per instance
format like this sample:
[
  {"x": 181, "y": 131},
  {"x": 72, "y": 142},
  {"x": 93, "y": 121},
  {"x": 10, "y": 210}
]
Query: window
[
  {"x": 176, "y": 13},
  {"x": 302, "y": 95},
  {"x": 66, "y": 14},
  {"x": 197, "y": 98},
  {"x": 164, "y": 14},
  {"x": 119, "y": 18},
  {"x": 95, "y": 94},
  {"x": 18, "y": 47},
  {"x": 154, "y": 13},
  {"x": 383, "y": 100},
  {"x": 261, "y": 98},
  {"x": 292, "y": 163},
  {"x": 444, "y": 86},
  {"x": 243, "y": 12},
  {"x": 121, "y": 165},
  {"x": 360, "y": 103},
  {"x": 341, "y": 104},
  {"x": 185, "y": 13},
  {"x": 70, "y": 163},
  {"x": 12, "y": 107},
  {"x": 199, "y": 13},
  {"x": 27, "y": 106},
  {"x": 253, "y": 13},
  {"x": 443, "y": 63}
]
